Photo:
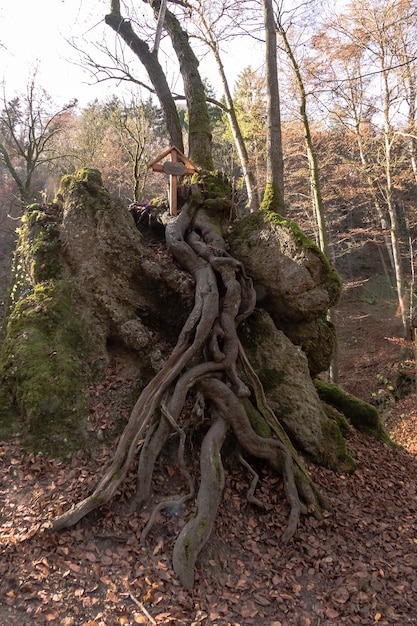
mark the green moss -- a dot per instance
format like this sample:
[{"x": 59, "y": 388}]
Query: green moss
[
  {"x": 362, "y": 415},
  {"x": 257, "y": 421},
  {"x": 271, "y": 377},
  {"x": 338, "y": 417},
  {"x": 255, "y": 330},
  {"x": 88, "y": 184},
  {"x": 272, "y": 201},
  {"x": 335, "y": 454},
  {"x": 90, "y": 178},
  {"x": 243, "y": 228},
  {"x": 42, "y": 367},
  {"x": 216, "y": 187}
]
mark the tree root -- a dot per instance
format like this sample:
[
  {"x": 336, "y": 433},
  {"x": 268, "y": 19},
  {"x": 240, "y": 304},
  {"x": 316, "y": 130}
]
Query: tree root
[
  {"x": 273, "y": 451},
  {"x": 197, "y": 531},
  {"x": 255, "y": 479},
  {"x": 155, "y": 440},
  {"x": 176, "y": 502}
]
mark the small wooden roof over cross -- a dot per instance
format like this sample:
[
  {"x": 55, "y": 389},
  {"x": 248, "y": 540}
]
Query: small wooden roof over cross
[{"x": 178, "y": 165}]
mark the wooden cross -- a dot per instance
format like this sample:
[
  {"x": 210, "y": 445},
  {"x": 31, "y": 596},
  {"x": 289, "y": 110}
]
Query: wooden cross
[{"x": 179, "y": 165}]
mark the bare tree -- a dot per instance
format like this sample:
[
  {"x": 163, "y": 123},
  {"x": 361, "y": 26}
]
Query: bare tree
[
  {"x": 363, "y": 48},
  {"x": 28, "y": 125},
  {"x": 314, "y": 173}
]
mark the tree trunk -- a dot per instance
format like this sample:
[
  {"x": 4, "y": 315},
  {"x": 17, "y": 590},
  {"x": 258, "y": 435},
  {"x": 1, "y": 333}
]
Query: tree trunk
[
  {"x": 199, "y": 131},
  {"x": 274, "y": 191},
  {"x": 149, "y": 59},
  {"x": 248, "y": 175}
]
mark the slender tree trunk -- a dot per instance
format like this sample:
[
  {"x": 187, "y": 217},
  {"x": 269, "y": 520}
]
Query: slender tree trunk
[
  {"x": 239, "y": 142},
  {"x": 311, "y": 155},
  {"x": 316, "y": 196},
  {"x": 248, "y": 175},
  {"x": 394, "y": 225},
  {"x": 274, "y": 191},
  {"x": 198, "y": 116},
  {"x": 395, "y": 242},
  {"x": 155, "y": 72}
]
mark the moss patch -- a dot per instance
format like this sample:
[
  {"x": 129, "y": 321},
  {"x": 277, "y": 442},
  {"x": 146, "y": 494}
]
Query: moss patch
[
  {"x": 271, "y": 377},
  {"x": 245, "y": 227},
  {"x": 272, "y": 201},
  {"x": 335, "y": 454},
  {"x": 88, "y": 185},
  {"x": 362, "y": 415},
  {"x": 41, "y": 365},
  {"x": 335, "y": 282},
  {"x": 257, "y": 420}
]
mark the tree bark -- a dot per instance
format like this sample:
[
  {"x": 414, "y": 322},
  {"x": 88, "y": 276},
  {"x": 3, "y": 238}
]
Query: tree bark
[
  {"x": 155, "y": 72},
  {"x": 199, "y": 132},
  {"x": 274, "y": 192}
]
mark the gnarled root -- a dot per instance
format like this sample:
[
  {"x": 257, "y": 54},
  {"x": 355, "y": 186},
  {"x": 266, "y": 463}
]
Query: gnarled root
[
  {"x": 156, "y": 437},
  {"x": 177, "y": 502},
  {"x": 255, "y": 479},
  {"x": 195, "y": 534},
  {"x": 273, "y": 451}
]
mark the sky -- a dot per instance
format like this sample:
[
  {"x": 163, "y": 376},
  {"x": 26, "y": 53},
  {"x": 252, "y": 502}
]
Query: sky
[
  {"x": 35, "y": 33},
  {"x": 38, "y": 37}
]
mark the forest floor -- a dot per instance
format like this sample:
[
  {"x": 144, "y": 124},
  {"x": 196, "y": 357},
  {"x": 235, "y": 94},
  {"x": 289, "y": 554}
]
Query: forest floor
[{"x": 355, "y": 566}]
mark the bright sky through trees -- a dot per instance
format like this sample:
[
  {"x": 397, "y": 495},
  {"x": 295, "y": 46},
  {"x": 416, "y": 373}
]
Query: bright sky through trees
[{"x": 36, "y": 34}]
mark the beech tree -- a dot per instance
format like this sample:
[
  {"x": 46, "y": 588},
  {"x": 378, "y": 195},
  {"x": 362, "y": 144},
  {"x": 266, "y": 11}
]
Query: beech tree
[
  {"x": 314, "y": 173},
  {"x": 274, "y": 190},
  {"x": 212, "y": 30}
]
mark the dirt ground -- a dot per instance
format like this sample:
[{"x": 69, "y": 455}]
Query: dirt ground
[{"x": 355, "y": 566}]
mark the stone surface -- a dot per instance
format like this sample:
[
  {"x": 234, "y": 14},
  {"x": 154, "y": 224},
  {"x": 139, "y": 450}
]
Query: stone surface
[
  {"x": 294, "y": 282},
  {"x": 283, "y": 370}
]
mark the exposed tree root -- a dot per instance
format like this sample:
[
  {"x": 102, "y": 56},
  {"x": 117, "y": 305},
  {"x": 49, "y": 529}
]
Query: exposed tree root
[
  {"x": 177, "y": 502},
  {"x": 271, "y": 450},
  {"x": 155, "y": 440},
  {"x": 209, "y": 360},
  {"x": 255, "y": 479},
  {"x": 196, "y": 533}
]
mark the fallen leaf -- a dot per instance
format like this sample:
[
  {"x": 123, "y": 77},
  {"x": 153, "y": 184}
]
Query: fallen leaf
[
  {"x": 111, "y": 596},
  {"x": 249, "y": 610}
]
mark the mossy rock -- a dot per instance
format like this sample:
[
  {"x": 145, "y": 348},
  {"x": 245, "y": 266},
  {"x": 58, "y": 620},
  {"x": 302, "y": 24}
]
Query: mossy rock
[
  {"x": 283, "y": 371},
  {"x": 363, "y": 416},
  {"x": 88, "y": 184},
  {"x": 9, "y": 418},
  {"x": 334, "y": 281},
  {"x": 42, "y": 366}
]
